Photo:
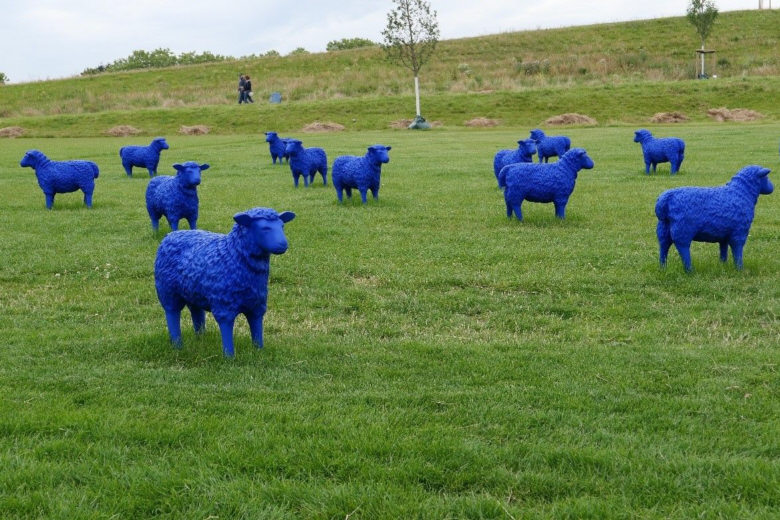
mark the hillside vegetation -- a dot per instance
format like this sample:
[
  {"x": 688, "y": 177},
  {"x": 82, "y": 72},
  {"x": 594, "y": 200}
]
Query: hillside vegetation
[{"x": 567, "y": 67}]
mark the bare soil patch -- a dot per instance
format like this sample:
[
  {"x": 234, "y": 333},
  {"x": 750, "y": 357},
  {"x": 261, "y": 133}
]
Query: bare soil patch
[
  {"x": 734, "y": 114},
  {"x": 668, "y": 117},
  {"x": 483, "y": 122},
  {"x": 123, "y": 131},
  {"x": 570, "y": 119},
  {"x": 11, "y": 131},
  {"x": 194, "y": 130},
  {"x": 318, "y": 126}
]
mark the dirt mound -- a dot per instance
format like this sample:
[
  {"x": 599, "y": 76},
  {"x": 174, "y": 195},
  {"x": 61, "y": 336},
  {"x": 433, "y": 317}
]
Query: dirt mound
[
  {"x": 669, "y": 117},
  {"x": 481, "y": 122},
  {"x": 194, "y": 130},
  {"x": 317, "y": 126},
  {"x": 123, "y": 131},
  {"x": 570, "y": 119},
  {"x": 11, "y": 131},
  {"x": 734, "y": 114}
]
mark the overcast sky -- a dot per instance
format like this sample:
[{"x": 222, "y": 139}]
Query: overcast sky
[{"x": 47, "y": 39}]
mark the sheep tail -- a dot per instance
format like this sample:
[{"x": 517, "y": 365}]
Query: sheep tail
[
  {"x": 96, "y": 170},
  {"x": 662, "y": 206}
]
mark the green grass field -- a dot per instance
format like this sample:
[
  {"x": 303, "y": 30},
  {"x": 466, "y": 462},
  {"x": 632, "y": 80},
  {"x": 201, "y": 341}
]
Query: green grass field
[{"x": 425, "y": 357}]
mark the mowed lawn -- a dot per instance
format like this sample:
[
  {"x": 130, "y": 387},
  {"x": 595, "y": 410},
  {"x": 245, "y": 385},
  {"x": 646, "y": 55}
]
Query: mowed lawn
[{"x": 425, "y": 356}]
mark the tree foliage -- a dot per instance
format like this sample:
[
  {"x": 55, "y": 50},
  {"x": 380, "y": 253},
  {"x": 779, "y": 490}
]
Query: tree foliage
[
  {"x": 349, "y": 43},
  {"x": 702, "y": 14},
  {"x": 411, "y": 34},
  {"x": 3, "y": 78},
  {"x": 297, "y": 51},
  {"x": 141, "y": 59}
]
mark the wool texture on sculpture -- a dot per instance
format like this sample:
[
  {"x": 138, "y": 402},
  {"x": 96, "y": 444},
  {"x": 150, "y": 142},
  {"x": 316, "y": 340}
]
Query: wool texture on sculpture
[
  {"x": 306, "y": 162},
  {"x": 62, "y": 176},
  {"x": 175, "y": 197},
  {"x": 721, "y": 214},
  {"x": 226, "y": 275},
  {"x": 360, "y": 173},
  {"x": 549, "y": 145},
  {"x": 543, "y": 182},
  {"x": 277, "y": 146},
  {"x": 143, "y": 156},
  {"x": 657, "y": 150},
  {"x": 526, "y": 148}
]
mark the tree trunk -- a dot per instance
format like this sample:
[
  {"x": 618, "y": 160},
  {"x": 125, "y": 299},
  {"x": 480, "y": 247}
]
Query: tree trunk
[{"x": 417, "y": 94}]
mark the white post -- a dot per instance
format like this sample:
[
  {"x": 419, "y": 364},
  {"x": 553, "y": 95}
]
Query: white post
[{"x": 417, "y": 94}]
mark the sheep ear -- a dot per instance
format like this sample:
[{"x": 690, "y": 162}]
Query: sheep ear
[
  {"x": 763, "y": 172},
  {"x": 389, "y": 148},
  {"x": 204, "y": 166},
  {"x": 287, "y": 216},
  {"x": 178, "y": 167},
  {"x": 243, "y": 219}
]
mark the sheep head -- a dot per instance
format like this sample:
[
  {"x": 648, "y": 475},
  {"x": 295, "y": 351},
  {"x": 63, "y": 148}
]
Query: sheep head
[
  {"x": 270, "y": 137},
  {"x": 527, "y": 146},
  {"x": 379, "y": 153},
  {"x": 262, "y": 231},
  {"x": 579, "y": 158},
  {"x": 757, "y": 176},
  {"x": 642, "y": 135},
  {"x": 537, "y": 135},
  {"x": 160, "y": 143},
  {"x": 293, "y": 146},
  {"x": 189, "y": 173},
  {"x": 32, "y": 158}
]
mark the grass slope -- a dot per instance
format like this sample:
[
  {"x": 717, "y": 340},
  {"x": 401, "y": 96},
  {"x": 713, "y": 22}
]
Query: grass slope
[
  {"x": 658, "y": 50},
  {"x": 425, "y": 357}
]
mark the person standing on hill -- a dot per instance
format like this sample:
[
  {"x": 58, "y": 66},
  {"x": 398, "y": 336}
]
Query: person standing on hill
[
  {"x": 241, "y": 88},
  {"x": 248, "y": 90}
]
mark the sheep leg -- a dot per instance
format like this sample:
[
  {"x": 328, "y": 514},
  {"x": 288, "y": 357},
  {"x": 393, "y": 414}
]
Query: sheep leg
[
  {"x": 198, "y": 318},
  {"x": 49, "y": 200},
  {"x": 152, "y": 171},
  {"x": 256, "y": 328},
  {"x": 647, "y": 167},
  {"x": 508, "y": 209},
  {"x": 375, "y": 193},
  {"x": 518, "y": 210},
  {"x": 724, "y": 251},
  {"x": 128, "y": 169},
  {"x": 685, "y": 254},
  {"x": 295, "y": 179},
  {"x": 193, "y": 222},
  {"x": 349, "y": 192},
  {"x": 340, "y": 193},
  {"x": 560, "y": 208},
  {"x": 324, "y": 173},
  {"x": 173, "y": 318},
  {"x": 173, "y": 222},
  {"x": 226, "y": 331},
  {"x": 88, "y": 198},
  {"x": 736, "y": 252},
  {"x": 664, "y": 241},
  {"x": 305, "y": 180},
  {"x": 363, "y": 192}
]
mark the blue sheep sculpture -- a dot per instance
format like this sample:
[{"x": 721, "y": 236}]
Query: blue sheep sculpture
[
  {"x": 721, "y": 214},
  {"x": 226, "y": 275},
  {"x": 306, "y": 162},
  {"x": 660, "y": 150},
  {"x": 543, "y": 182},
  {"x": 550, "y": 145},
  {"x": 143, "y": 156},
  {"x": 360, "y": 173},
  {"x": 277, "y": 146},
  {"x": 526, "y": 148},
  {"x": 175, "y": 197},
  {"x": 62, "y": 176}
]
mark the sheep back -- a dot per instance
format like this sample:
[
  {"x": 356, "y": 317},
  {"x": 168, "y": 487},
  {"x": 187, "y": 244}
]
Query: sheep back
[
  {"x": 543, "y": 182},
  {"x": 524, "y": 152},
  {"x": 306, "y": 162},
  {"x": 143, "y": 156},
  {"x": 62, "y": 176},
  {"x": 657, "y": 150},
  {"x": 549, "y": 145},
  {"x": 720, "y": 214},
  {"x": 226, "y": 275}
]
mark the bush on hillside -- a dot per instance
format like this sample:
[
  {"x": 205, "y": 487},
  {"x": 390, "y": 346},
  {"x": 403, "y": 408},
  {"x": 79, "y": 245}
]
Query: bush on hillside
[
  {"x": 349, "y": 43},
  {"x": 155, "y": 59}
]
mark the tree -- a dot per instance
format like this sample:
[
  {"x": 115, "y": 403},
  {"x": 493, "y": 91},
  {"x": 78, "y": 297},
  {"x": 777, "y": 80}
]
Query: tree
[
  {"x": 3, "y": 78},
  {"x": 702, "y": 14},
  {"x": 298, "y": 51},
  {"x": 410, "y": 38}
]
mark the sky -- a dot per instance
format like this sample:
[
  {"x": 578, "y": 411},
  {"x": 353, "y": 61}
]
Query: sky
[{"x": 49, "y": 39}]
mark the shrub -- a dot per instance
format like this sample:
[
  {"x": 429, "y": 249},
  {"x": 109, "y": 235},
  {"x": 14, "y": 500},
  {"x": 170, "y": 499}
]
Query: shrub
[{"x": 349, "y": 43}]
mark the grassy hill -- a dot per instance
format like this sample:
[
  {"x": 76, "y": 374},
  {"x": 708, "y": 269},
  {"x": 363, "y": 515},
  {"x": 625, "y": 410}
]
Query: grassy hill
[{"x": 622, "y": 72}]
